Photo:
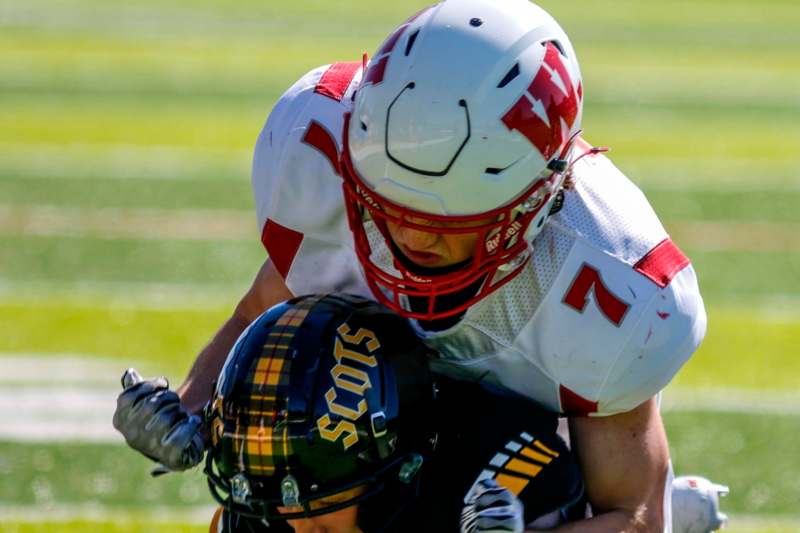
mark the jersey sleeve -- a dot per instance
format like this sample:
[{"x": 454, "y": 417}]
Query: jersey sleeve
[
  {"x": 669, "y": 330},
  {"x": 297, "y": 184},
  {"x": 489, "y": 433},
  {"x": 625, "y": 313}
]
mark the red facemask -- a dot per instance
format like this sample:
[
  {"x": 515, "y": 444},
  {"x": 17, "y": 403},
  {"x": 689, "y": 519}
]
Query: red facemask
[{"x": 501, "y": 251}]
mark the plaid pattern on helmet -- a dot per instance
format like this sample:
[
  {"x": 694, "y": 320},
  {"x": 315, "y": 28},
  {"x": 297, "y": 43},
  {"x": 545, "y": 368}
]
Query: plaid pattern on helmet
[{"x": 260, "y": 439}]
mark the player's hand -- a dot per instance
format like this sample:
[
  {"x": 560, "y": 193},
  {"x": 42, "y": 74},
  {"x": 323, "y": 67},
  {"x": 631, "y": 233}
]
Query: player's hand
[
  {"x": 153, "y": 422},
  {"x": 492, "y": 509},
  {"x": 695, "y": 505}
]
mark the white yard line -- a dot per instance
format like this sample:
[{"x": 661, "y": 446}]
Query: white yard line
[
  {"x": 729, "y": 400},
  {"x": 122, "y": 161},
  {"x": 70, "y": 398},
  {"x": 98, "y": 513},
  {"x": 240, "y": 225},
  {"x": 46, "y": 370},
  {"x": 722, "y": 174},
  {"x": 760, "y": 523},
  {"x": 58, "y": 414},
  {"x": 58, "y": 398},
  {"x": 164, "y": 22},
  {"x": 125, "y": 295},
  {"x": 117, "y": 223},
  {"x": 126, "y": 161},
  {"x": 737, "y": 236},
  {"x": 179, "y": 296}
]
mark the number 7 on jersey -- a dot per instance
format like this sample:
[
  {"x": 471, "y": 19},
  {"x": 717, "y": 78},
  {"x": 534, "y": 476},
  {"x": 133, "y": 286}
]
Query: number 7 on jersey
[{"x": 588, "y": 279}]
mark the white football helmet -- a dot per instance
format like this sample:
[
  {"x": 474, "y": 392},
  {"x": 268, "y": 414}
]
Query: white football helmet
[{"x": 463, "y": 123}]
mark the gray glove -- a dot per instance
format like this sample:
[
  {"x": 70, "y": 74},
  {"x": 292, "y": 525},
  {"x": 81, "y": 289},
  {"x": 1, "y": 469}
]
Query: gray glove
[
  {"x": 153, "y": 422},
  {"x": 492, "y": 509},
  {"x": 695, "y": 505}
]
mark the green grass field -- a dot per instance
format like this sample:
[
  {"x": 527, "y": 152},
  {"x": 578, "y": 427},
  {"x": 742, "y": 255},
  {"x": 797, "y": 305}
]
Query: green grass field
[{"x": 127, "y": 229}]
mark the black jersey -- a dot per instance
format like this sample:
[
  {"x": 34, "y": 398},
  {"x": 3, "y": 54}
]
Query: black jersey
[{"x": 490, "y": 434}]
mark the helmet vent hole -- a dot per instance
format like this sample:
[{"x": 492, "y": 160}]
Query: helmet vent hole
[
  {"x": 510, "y": 75},
  {"x": 363, "y": 126},
  {"x": 494, "y": 171},
  {"x": 475, "y": 22},
  {"x": 411, "y": 40},
  {"x": 558, "y": 45}
]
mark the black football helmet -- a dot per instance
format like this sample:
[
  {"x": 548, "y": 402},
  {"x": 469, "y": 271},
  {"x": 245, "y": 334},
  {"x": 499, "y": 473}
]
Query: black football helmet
[{"x": 320, "y": 394}]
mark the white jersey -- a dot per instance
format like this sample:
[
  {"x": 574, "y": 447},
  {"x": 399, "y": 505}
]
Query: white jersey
[{"x": 603, "y": 316}]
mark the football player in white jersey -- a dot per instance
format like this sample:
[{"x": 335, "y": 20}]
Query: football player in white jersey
[{"x": 447, "y": 179}]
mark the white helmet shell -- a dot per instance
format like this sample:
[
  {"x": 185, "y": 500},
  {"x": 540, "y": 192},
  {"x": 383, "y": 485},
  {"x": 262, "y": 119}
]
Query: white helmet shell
[{"x": 464, "y": 106}]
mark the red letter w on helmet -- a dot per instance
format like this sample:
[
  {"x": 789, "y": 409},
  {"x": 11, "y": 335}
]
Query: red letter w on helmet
[{"x": 549, "y": 101}]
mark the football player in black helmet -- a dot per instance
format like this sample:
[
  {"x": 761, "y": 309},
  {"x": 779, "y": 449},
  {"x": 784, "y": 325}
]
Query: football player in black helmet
[
  {"x": 326, "y": 418},
  {"x": 322, "y": 397}
]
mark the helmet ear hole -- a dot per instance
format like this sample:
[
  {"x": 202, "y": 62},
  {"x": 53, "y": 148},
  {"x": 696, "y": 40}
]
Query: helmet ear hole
[
  {"x": 558, "y": 46},
  {"x": 411, "y": 40},
  {"x": 510, "y": 75}
]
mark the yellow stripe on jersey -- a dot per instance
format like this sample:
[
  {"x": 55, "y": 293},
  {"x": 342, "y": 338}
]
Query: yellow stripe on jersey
[
  {"x": 513, "y": 483},
  {"x": 536, "y": 456},
  {"x": 544, "y": 448},
  {"x": 523, "y": 467}
]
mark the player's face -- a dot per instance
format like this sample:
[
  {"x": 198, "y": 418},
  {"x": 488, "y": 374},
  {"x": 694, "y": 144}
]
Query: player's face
[
  {"x": 431, "y": 249},
  {"x": 341, "y": 521}
]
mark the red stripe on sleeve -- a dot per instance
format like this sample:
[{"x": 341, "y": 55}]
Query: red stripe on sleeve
[
  {"x": 321, "y": 139},
  {"x": 335, "y": 81},
  {"x": 573, "y": 404},
  {"x": 662, "y": 263},
  {"x": 281, "y": 244}
]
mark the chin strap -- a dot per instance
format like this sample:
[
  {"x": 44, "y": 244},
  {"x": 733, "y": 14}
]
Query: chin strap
[
  {"x": 594, "y": 150},
  {"x": 561, "y": 165}
]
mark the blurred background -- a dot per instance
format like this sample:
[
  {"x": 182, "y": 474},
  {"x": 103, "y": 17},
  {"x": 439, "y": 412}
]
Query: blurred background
[{"x": 127, "y": 228}]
